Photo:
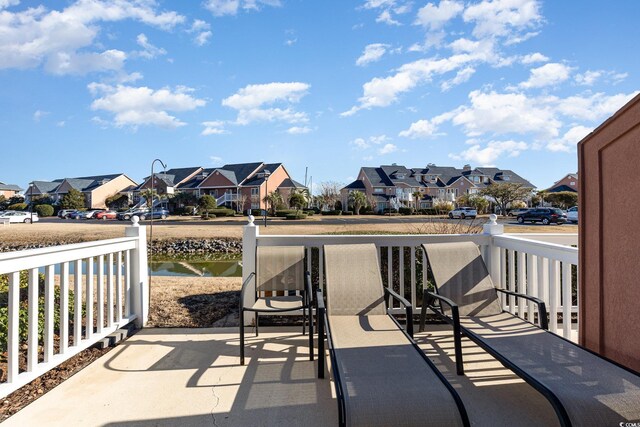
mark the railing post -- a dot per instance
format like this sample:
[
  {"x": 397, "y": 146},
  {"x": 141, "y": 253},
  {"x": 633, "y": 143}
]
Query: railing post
[
  {"x": 492, "y": 228},
  {"x": 139, "y": 273},
  {"x": 250, "y": 235}
]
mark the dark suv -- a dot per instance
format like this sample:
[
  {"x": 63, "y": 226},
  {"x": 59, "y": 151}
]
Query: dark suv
[{"x": 544, "y": 215}]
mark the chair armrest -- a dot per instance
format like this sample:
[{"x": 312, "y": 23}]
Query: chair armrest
[
  {"x": 308, "y": 288},
  {"x": 408, "y": 308},
  {"x": 542, "y": 307},
  {"x": 242, "y": 290},
  {"x": 451, "y": 304},
  {"x": 320, "y": 300}
]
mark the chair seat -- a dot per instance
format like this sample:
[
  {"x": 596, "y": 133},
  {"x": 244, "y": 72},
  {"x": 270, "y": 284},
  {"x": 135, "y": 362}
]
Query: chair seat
[{"x": 278, "y": 303}]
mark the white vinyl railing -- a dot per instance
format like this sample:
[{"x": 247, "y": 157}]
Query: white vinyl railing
[
  {"x": 541, "y": 265},
  {"x": 89, "y": 290}
]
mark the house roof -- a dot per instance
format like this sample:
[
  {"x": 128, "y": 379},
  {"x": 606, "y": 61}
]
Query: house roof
[
  {"x": 89, "y": 183},
  {"x": 377, "y": 177},
  {"x": 256, "y": 180},
  {"x": 561, "y": 188},
  {"x": 9, "y": 187},
  {"x": 242, "y": 170},
  {"x": 172, "y": 177},
  {"x": 46, "y": 186},
  {"x": 498, "y": 175},
  {"x": 355, "y": 185},
  {"x": 399, "y": 174},
  {"x": 290, "y": 183}
]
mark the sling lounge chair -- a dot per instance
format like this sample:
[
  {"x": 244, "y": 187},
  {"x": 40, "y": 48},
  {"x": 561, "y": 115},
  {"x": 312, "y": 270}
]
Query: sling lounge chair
[
  {"x": 382, "y": 378},
  {"x": 280, "y": 269},
  {"x": 585, "y": 389}
]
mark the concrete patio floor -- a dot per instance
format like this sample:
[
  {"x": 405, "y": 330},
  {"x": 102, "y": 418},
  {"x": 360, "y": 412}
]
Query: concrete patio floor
[{"x": 191, "y": 377}]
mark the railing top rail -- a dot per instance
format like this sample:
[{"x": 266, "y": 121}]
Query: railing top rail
[
  {"x": 379, "y": 239},
  {"x": 559, "y": 238},
  {"x": 34, "y": 258},
  {"x": 535, "y": 247}
]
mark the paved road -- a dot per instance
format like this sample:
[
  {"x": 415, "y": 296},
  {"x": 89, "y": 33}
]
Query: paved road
[{"x": 325, "y": 220}]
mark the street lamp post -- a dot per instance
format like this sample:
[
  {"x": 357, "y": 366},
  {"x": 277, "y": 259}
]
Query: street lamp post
[
  {"x": 266, "y": 190},
  {"x": 31, "y": 201},
  {"x": 153, "y": 178}
]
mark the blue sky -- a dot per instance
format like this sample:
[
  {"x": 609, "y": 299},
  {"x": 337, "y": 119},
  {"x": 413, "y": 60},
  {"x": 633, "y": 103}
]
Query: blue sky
[{"x": 95, "y": 87}]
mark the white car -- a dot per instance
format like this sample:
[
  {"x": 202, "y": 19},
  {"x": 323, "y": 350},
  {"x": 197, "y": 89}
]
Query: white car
[
  {"x": 572, "y": 215},
  {"x": 463, "y": 213},
  {"x": 20, "y": 216}
]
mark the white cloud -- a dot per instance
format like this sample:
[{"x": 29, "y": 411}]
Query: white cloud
[
  {"x": 215, "y": 160},
  {"x": 135, "y": 106},
  {"x": 488, "y": 155},
  {"x": 461, "y": 76},
  {"x": 547, "y": 75},
  {"x": 386, "y": 18},
  {"x": 202, "y": 32},
  {"x": 372, "y": 53},
  {"x": 435, "y": 17},
  {"x": 6, "y": 3},
  {"x": 532, "y": 58},
  {"x": 61, "y": 123},
  {"x": 497, "y": 113},
  {"x": 62, "y": 40},
  {"x": 251, "y": 100},
  {"x": 569, "y": 140},
  {"x": 39, "y": 114},
  {"x": 588, "y": 78},
  {"x": 149, "y": 51},
  {"x": 503, "y": 18},
  {"x": 595, "y": 107},
  {"x": 232, "y": 7},
  {"x": 367, "y": 158},
  {"x": 420, "y": 129},
  {"x": 360, "y": 143},
  {"x": 379, "y": 139},
  {"x": 215, "y": 127},
  {"x": 298, "y": 130},
  {"x": 375, "y": 4},
  {"x": 387, "y": 149}
]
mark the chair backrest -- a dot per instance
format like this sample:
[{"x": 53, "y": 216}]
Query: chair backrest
[
  {"x": 353, "y": 280},
  {"x": 462, "y": 276},
  {"x": 279, "y": 268}
]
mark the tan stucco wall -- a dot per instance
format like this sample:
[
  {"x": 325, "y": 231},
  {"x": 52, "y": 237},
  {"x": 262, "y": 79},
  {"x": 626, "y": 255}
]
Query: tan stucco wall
[
  {"x": 275, "y": 179},
  {"x": 609, "y": 244},
  {"x": 116, "y": 185}
]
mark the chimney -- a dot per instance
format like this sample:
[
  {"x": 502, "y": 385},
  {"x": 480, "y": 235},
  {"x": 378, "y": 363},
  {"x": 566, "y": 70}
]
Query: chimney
[{"x": 466, "y": 168}]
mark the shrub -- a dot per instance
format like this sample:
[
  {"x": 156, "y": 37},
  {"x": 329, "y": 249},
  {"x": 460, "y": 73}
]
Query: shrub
[
  {"x": 220, "y": 212},
  {"x": 443, "y": 207},
  {"x": 18, "y": 207},
  {"x": 389, "y": 211},
  {"x": 332, "y": 213},
  {"x": 428, "y": 211},
  {"x": 406, "y": 211},
  {"x": 117, "y": 201},
  {"x": 205, "y": 217},
  {"x": 44, "y": 210},
  {"x": 23, "y": 330},
  {"x": 347, "y": 213},
  {"x": 256, "y": 212},
  {"x": 188, "y": 210},
  {"x": 284, "y": 212},
  {"x": 293, "y": 216}
]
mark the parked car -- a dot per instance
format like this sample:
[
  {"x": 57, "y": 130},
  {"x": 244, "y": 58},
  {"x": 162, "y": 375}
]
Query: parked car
[
  {"x": 75, "y": 215},
  {"x": 544, "y": 215},
  {"x": 126, "y": 215},
  {"x": 518, "y": 211},
  {"x": 91, "y": 213},
  {"x": 462, "y": 213},
  {"x": 156, "y": 214},
  {"x": 105, "y": 215},
  {"x": 20, "y": 216},
  {"x": 572, "y": 215},
  {"x": 64, "y": 213}
]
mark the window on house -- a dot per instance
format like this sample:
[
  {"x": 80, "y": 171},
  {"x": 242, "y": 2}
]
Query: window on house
[
  {"x": 378, "y": 190},
  {"x": 572, "y": 183},
  {"x": 506, "y": 178},
  {"x": 254, "y": 191}
]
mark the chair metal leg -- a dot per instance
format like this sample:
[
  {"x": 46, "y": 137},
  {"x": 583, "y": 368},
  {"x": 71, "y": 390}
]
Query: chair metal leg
[
  {"x": 304, "y": 320},
  {"x": 241, "y": 337},
  {"x": 256, "y": 322},
  {"x": 423, "y": 316},
  {"x": 457, "y": 341},
  {"x": 310, "y": 335}
]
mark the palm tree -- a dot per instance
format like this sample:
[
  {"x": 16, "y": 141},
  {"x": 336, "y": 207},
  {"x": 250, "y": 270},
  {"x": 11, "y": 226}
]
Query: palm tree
[
  {"x": 274, "y": 199},
  {"x": 417, "y": 195},
  {"x": 358, "y": 199}
]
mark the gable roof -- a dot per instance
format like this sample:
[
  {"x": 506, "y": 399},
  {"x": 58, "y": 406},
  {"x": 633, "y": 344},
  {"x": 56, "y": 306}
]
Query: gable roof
[
  {"x": 377, "y": 177},
  {"x": 89, "y": 183},
  {"x": 242, "y": 170},
  {"x": 47, "y": 186},
  {"x": 358, "y": 184},
  {"x": 561, "y": 188},
  {"x": 256, "y": 180},
  {"x": 9, "y": 187},
  {"x": 498, "y": 175},
  {"x": 399, "y": 174},
  {"x": 290, "y": 183}
]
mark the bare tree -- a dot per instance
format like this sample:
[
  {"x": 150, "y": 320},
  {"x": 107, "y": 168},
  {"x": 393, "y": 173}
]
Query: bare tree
[
  {"x": 330, "y": 192},
  {"x": 506, "y": 193}
]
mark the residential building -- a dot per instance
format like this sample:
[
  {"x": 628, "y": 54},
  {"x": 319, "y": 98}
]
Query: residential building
[
  {"x": 9, "y": 190},
  {"x": 96, "y": 189},
  {"x": 166, "y": 182},
  {"x": 394, "y": 186},
  {"x": 242, "y": 186},
  {"x": 568, "y": 183}
]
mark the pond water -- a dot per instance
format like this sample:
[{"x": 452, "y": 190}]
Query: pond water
[{"x": 217, "y": 266}]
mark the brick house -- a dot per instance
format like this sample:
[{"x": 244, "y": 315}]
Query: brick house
[
  {"x": 240, "y": 186},
  {"x": 568, "y": 183},
  {"x": 395, "y": 186}
]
